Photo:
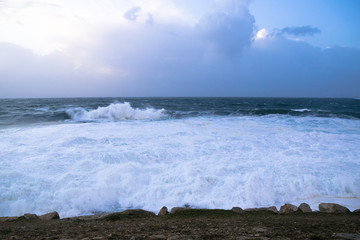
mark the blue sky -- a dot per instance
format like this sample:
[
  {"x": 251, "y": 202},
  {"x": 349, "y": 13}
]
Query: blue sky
[
  {"x": 337, "y": 19},
  {"x": 274, "y": 48}
]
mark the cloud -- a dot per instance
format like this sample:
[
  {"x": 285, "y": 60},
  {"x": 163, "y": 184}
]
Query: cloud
[
  {"x": 300, "y": 31},
  {"x": 216, "y": 57},
  {"x": 262, "y": 34},
  {"x": 280, "y": 67},
  {"x": 25, "y": 74},
  {"x": 132, "y": 13},
  {"x": 228, "y": 28}
]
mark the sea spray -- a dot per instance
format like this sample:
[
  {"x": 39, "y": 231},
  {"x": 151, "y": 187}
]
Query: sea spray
[
  {"x": 115, "y": 112},
  {"x": 206, "y": 161}
]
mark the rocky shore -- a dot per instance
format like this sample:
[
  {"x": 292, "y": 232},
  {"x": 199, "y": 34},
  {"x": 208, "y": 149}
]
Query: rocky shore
[{"x": 331, "y": 221}]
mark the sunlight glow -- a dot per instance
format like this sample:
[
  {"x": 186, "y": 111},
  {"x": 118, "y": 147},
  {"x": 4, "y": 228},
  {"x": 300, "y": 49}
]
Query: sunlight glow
[
  {"x": 45, "y": 26},
  {"x": 262, "y": 34}
]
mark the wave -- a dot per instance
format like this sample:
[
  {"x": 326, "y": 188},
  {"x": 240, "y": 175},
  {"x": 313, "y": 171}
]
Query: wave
[
  {"x": 219, "y": 162},
  {"x": 301, "y": 110},
  {"x": 115, "y": 112},
  {"x": 40, "y": 111}
]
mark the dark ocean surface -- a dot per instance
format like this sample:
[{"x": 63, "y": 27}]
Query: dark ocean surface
[{"x": 23, "y": 111}]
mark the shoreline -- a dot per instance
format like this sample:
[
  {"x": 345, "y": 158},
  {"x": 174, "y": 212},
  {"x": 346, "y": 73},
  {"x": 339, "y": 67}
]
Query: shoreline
[
  {"x": 332, "y": 221},
  {"x": 284, "y": 209}
]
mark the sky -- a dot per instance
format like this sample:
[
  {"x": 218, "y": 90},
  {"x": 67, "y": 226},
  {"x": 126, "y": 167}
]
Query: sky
[{"x": 172, "y": 48}]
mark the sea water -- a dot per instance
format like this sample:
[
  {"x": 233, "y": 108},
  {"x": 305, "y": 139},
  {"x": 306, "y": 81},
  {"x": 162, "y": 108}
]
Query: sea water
[{"x": 88, "y": 155}]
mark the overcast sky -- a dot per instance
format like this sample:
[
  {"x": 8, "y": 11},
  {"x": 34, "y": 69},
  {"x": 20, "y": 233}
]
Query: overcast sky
[{"x": 91, "y": 48}]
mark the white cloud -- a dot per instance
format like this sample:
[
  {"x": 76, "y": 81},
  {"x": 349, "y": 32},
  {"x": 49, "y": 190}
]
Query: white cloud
[
  {"x": 40, "y": 26},
  {"x": 45, "y": 26},
  {"x": 262, "y": 34}
]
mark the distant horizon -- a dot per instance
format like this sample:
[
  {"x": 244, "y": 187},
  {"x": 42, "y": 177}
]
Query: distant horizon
[{"x": 355, "y": 98}]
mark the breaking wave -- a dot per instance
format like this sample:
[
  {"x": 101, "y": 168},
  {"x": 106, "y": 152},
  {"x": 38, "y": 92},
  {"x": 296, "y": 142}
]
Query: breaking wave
[
  {"x": 301, "y": 110},
  {"x": 115, "y": 112}
]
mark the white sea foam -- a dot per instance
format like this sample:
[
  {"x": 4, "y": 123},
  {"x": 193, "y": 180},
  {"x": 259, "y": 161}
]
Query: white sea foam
[
  {"x": 214, "y": 162},
  {"x": 42, "y": 109},
  {"x": 301, "y": 110},
  {"x": 115, "y": 112}
]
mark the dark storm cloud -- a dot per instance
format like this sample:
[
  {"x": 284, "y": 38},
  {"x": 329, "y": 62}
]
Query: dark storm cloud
[
  {"x": 282, "y": 67},
  {"x": 176, "y": 63},
  {"x": 228, "y": 31}
]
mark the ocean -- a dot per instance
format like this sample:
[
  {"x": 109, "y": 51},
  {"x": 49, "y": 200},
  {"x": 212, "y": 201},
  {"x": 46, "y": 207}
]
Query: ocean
[{"x": 81, "y": 156}]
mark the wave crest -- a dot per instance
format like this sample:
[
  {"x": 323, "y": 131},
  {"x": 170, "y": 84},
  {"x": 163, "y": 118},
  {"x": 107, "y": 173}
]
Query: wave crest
[
  {"x": 302, "y": 110},
  {"x": 115, "y": 112}
]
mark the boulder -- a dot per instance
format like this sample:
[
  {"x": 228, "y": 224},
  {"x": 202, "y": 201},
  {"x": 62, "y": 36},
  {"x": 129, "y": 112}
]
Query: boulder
[
  {"x": 288, "y": 208},
  {"x": 305, "y": 208},
  {"x": 271, "y": 209},
  {"x": 50, "y": 216},
  {"x": 332, "y": 208},
  {"x": 348, "y": 236},
  {"x": 178, "y": 209},
  {"x": 30, "y": 216},
  {"x": 163, "y": 211},
  {"x": 8, "y": 219},
  {"x": 131, "y": 212},
  {"x": 138, "y": 212},
  {"x": 237, "y": 210},
  {"x": 91, "y": 217}
]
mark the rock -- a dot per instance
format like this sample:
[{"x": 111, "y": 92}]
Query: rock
[
  {"x": 178, "y": 209},
  {"x": 131, "y": 212},
  {"x": 272, "y": 209},
  {"x": 332, "y": 208},
  {"x": 260, "y": 229},
  {"x": 8, "y": 219},
  {"x": 138, "y": 212},
  {"x": 348, "y": 236},
  {"x": 175, "y": 237},
  {"x": 91, "y": 217},
  {"x": 288, "y": 208},
  {"x": 107, "y": 216},
  {"x": 305, "y": 208},
  {"x": 237, "y": 210},
  {"x": 158, "y": 237},
  {"x": 252, "y": 237},
  {"x": 49, "y": 216},
  {"x": 356, "y": 211},
  {"x": 30, "y": 216},
  {"x": 163, "y": 211}
]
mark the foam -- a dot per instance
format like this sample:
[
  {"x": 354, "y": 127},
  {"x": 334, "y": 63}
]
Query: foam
[
  {"x": 206, "y": 162},
  {"x": 301, "y": 110},
  {"x": 115, "y": 112}
]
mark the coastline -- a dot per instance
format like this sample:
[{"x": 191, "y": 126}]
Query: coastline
[{"x": 332, "y": 221}]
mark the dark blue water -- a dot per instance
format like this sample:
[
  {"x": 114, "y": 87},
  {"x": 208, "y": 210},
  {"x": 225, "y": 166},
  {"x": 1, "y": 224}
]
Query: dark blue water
[{"x": 29, "y": 111}]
